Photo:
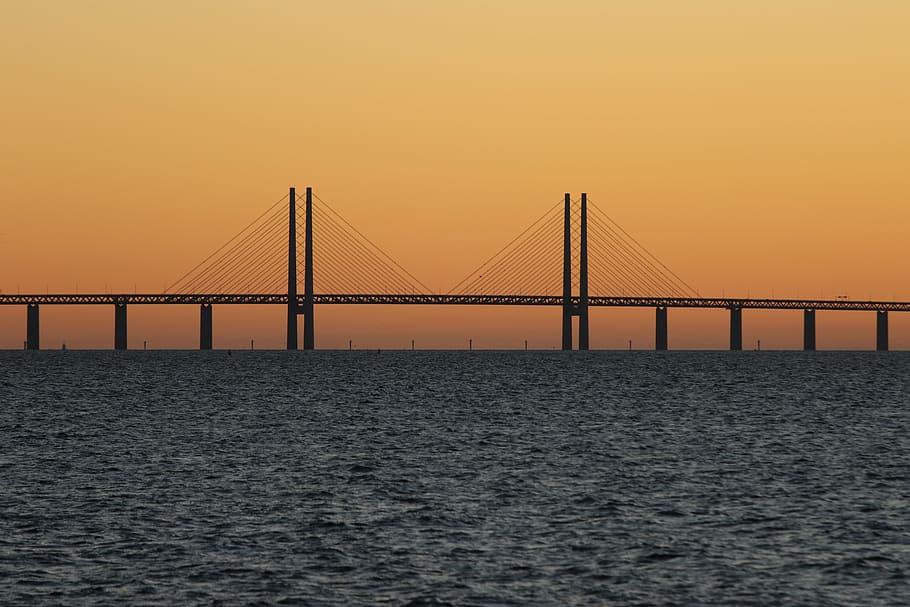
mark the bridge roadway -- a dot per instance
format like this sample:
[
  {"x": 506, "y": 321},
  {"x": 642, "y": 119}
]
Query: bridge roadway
[{"x": 438, "y": 299}]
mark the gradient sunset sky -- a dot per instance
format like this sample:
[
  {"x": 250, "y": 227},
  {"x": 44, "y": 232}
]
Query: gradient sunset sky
[{"x": 757, "y": 147}]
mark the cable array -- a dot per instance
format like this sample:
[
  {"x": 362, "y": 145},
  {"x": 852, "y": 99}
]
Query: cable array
[
  {"x": 347, "y": 262},
  {"x": 253, "y": 261},
  {"x": 531, "y": 264},
  {"x": 619, "y": 265}
]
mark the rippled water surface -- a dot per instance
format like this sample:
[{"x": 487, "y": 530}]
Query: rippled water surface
[{"x": 436, "y": 478}]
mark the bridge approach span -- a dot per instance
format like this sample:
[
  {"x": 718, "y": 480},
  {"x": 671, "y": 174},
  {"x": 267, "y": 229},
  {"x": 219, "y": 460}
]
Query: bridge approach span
[{"x": 725, "y": 303}]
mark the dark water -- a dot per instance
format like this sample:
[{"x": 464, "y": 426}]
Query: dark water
[{"x": 157, "y": 478}]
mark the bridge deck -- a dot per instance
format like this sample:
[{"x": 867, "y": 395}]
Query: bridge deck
[{"x": 433, "y": 299}]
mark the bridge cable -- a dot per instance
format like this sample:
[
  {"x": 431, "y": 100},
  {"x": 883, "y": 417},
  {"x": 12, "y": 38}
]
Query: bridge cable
[
  {"x": 346, "y": 251},
  {"x": 266, "y": 244},
  {"x": 493, "y": 258},
  {"x": 519, "y": 253},
  {"x": 213, "y": 254},
  {"x": 371, "y": 243},
  {"x": 226, "y": 262},
  {"x": 340, "y": 248},
  {"x": 643, "y": 248},
  {"x": 519, "y": 262}
]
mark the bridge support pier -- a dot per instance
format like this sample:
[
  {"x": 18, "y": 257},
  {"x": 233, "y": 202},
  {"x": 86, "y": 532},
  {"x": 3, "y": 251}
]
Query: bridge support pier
[
  {"x": 205, "y": 327},
  {"x": 120, "y": 326},
  {"x": 881, "y": 330},
  {"x": 660, "y": 333},
  {"x": 32, "y": 332},
  {"x": 809, "y": 330},
  {"x": 736, "y": 328}
]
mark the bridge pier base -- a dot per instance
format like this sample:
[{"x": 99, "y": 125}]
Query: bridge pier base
[
  {"x": 660, "y": 333},
  {"x": 120, "y": 326},
  {"x": 32, "y": 333},
  {"x": 809, "y": 330},
  {"x": 736, "y": 328},
  {"x": 881, "y": 330},
  {"x": 566, "y": 329},
  {"x": 584, "y": 330},
  {"x": 205, "y": 327}
]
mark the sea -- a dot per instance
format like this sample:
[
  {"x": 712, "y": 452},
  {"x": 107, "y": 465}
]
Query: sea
[{"x": 454, "y": 478}]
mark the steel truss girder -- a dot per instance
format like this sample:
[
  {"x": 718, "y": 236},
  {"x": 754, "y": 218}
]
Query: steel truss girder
[{"x": 436, "y": 299}]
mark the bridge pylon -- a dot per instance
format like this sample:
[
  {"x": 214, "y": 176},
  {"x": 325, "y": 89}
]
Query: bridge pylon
[
  {"x": 569, "y": 307},
  {"x": 294, "y": 307},
  {"x": 309, "y": 337},
  {"x": 583, "y": 328},
  {"x": 292, "y": 269}
]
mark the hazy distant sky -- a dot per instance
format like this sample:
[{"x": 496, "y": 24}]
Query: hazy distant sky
[{"x": 754, "y": 146}]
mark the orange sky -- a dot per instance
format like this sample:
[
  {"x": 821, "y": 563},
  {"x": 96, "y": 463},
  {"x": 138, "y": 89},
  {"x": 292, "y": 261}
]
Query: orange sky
[{"x": 757, "y": 147}]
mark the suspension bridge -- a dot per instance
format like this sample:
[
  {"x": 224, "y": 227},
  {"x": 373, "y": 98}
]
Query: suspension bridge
[{"x": 573, "y": 257}]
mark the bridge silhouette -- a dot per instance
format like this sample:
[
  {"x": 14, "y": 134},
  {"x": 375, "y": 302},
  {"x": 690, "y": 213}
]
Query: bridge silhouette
[{"x": 262, "y": 265}]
